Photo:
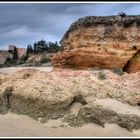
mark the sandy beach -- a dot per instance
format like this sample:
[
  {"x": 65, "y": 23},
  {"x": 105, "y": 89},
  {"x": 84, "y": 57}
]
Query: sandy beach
[
  {"x": 12, "y": 125},
  {"x": 14, "y": 69}
]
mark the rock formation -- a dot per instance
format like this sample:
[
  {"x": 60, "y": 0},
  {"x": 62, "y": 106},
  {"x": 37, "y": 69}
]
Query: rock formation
[
  {"x": 51, "y": 95},
  {"x": 106, "y": 42}
]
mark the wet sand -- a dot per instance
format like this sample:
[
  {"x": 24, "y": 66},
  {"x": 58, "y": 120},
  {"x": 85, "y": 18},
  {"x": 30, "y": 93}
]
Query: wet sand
[{"x": 12, "y": 125}]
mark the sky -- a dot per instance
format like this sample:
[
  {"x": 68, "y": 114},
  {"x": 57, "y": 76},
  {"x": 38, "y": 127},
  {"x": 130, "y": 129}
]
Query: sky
[{"x": 25, "y": 23}]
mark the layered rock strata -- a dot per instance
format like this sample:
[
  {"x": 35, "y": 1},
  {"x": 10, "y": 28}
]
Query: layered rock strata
[{"x": 106, "y": 42}]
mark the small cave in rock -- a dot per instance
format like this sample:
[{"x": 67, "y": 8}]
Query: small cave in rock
[
  {"x": 135, "y": 47},
  {"x": 129, "y": 63},
  {"x": 138, "y": 103},
  {"x": 126, "y": 67},
  {"x": 26, "y": 76},
  {"x": 79, "y": 99}
]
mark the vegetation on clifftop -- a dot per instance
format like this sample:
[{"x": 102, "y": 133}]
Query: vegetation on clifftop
[
  {"x": 40, "y": 48},
  {"x": 88, "y": 21}
]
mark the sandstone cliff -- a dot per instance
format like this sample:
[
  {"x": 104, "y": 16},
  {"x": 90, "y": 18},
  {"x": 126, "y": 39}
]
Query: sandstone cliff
[{"x": 106, "y": 42}]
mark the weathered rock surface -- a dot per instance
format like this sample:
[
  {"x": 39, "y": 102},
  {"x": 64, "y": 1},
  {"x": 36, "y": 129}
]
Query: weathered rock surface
[
  {"x": 51, "y": 95},
  {"x": 38, "y": 59},
  {"x": 106, "y": 42},
  {"x": 103, "y": 111}
]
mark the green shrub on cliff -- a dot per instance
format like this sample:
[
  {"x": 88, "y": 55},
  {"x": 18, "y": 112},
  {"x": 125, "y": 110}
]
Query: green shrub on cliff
[
  {"x": 45, "y": 60},
  {"x": 118, "y": 71},
  {"x": 122, "y": 14},
  {"x": 101, "y": 75},
  {"x": 8, "y": 61}
]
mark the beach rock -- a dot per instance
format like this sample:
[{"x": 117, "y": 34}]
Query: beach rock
[
  {"x": 52, "y": 95},
  {"x": 100, "y": 113}
]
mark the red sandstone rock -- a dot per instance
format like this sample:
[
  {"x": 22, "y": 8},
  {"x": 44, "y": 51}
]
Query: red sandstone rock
[{"x": 106, "y": 42}]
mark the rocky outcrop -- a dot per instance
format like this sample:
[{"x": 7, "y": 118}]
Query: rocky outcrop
[
  {"x": 107, "y": 42},
  {"x": 104, "y": 111},
  {"x": 45, "y": 96},
  {"x": 38, "y": 59}
]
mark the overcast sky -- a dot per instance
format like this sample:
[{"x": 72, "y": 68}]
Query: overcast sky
[{"x": 25, "y": 23}]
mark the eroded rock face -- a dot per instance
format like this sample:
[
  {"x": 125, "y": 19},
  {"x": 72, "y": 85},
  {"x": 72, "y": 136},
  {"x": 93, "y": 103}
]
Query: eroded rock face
[
  {"x": 101, "y": 115},
  {"x": 106, "y": 42},
  {"x": 52, "y": 95}
]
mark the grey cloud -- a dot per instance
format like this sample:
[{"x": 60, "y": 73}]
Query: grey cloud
[{"x": 23, "y": 24}]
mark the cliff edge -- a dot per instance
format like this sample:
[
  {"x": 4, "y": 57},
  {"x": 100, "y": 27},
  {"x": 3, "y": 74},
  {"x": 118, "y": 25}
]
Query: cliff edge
[{"x": 105, "y": 42}]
